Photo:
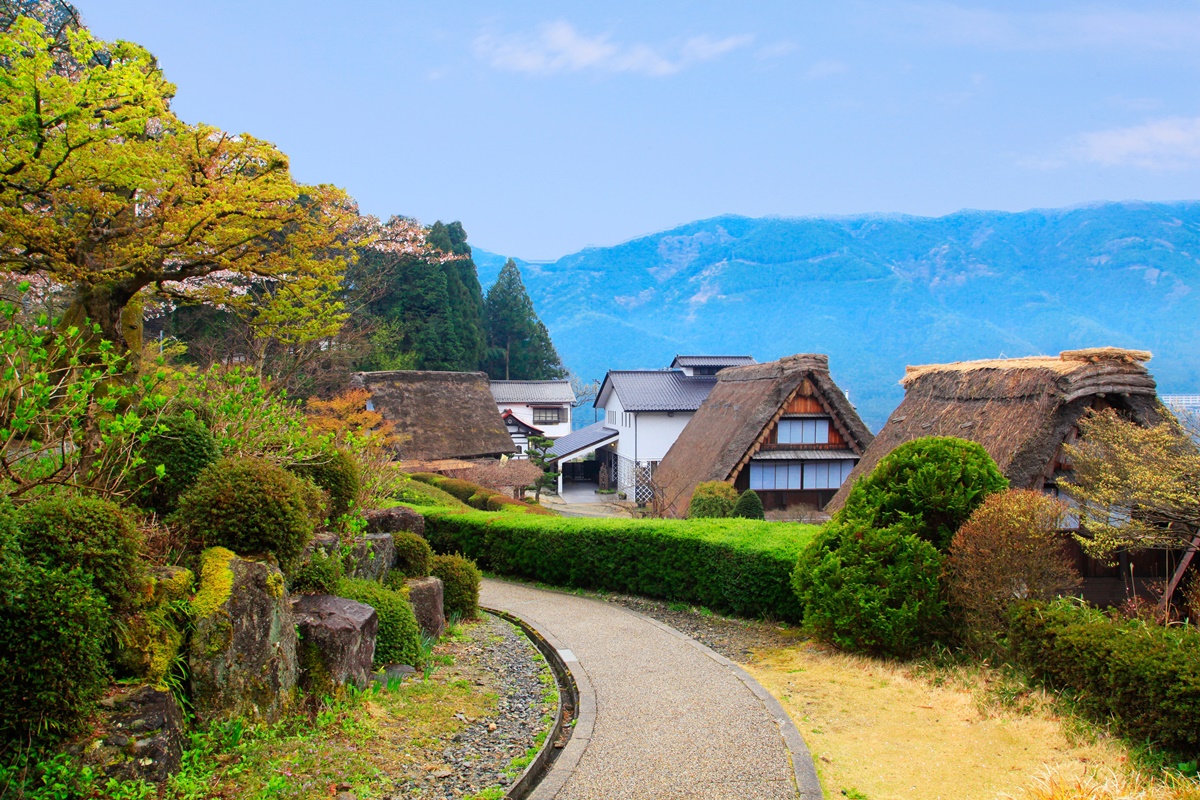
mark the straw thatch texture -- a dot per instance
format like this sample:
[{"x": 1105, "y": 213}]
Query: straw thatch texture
[
  {"x": 1020, "y": 409},
  {"x": 444, "y": 414},
  {"x": 729, "y": 425}
]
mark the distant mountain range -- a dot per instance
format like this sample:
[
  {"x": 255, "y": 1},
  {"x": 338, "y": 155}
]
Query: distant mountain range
[{"x": 877, "y": 292}]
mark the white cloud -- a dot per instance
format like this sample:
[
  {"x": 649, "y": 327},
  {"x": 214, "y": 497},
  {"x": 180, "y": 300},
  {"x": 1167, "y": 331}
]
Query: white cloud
[
  {"x": 559, "y": 47},
  {"x": 1170, "y": 143},
  {"x": 826, "y": 69},
  {"x": 775, "y": 50}
]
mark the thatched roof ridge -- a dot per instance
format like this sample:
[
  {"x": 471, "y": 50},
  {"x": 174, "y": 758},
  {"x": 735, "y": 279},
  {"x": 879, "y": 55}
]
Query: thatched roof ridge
[
  {"x": 444, "y": 414},
  {"x": 740, "y": 407},
  {"x": 1019, "y": 409}
]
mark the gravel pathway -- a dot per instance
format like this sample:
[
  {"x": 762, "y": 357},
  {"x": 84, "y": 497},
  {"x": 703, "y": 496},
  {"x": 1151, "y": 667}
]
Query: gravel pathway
[{"x": 664, "y": 719}]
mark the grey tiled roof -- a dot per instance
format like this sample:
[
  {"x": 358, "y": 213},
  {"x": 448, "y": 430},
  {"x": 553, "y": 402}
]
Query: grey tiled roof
[
  {"x": 712, "y": 361},
  {"x": 658, "y": 390},
  {"x": 800, "y": 454},
  {"x": 578, "y": 440},
  {"x": 533, "y": 392}
]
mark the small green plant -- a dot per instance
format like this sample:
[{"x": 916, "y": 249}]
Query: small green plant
[
  {"x": 748, "y": 506},
  {"x": 413, "y": 555},
  {"x": 335, "y": 472},
  {"x": 320, "y": 574},
  {"x": 399, "y": 637},
  {"x": 712, "y": 500},
  {"x": 461, "y": 579}
]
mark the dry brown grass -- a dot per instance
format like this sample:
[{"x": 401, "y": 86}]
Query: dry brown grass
[
  {"x": 883, "y": 731},
  {"x": 1106, "y": 785}
]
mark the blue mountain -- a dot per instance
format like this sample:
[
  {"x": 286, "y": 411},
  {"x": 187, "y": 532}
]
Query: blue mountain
[{"x": 878, "y": 292}]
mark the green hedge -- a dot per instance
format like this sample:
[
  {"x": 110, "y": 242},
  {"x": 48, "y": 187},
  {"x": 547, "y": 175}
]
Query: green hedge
[
  {"x": 1144, "y": 677},
  {"x": 740, "y": 566}
]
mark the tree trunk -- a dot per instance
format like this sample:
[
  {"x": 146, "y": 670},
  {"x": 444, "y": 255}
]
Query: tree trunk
[{"x": 111, "y": 307}]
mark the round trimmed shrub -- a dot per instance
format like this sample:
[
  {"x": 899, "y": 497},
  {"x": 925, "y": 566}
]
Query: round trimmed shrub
[
  {"x": 460, "y": 584},
  {"x": 53, "y": 632},
  {"x": 86, "y": 533},
  {"x": 463, "y": 490},
  {"x": 481, "y": 498},
  {"x": 399, "y": 637},
  {"x": 183, "y": 448},
  {"x": 712, "y": 499},
  {"x": 320, "y": 574},
  {"x": 432, "y": 478},
  {"x": 748, "y": 506},
  {"x": 413, "y": 555},
  {"x": 867, "y": 589},
  {"x": 336, "y": 472},
  {"x": 251, "y": 507},
  {"x": 929, "y": 485}
]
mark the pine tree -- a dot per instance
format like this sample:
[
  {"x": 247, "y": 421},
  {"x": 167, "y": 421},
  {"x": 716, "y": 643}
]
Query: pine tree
[
  {"x": 748, "y": 506},
  {"x": 520, "y": 346}
]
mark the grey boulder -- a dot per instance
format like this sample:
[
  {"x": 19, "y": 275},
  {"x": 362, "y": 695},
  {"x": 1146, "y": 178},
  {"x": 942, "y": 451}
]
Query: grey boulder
[
  {"x": 371, "y": 556},
  {"x": 337, "y": 641},
  {"x": 426, "y": 596},
  {"x": 394, "y": 520}
]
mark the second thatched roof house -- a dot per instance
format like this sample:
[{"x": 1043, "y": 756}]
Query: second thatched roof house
[
  {"x": 783, "y": 429},
  {"x": 445, "y": 415},
  {"x": 1022, "y": 410}
]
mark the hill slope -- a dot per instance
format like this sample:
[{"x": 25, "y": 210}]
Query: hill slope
[{"x": 877, "y": 292}]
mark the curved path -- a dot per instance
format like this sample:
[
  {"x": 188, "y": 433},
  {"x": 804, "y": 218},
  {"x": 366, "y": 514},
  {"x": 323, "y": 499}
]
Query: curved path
[{"x": 660, "y": 715}]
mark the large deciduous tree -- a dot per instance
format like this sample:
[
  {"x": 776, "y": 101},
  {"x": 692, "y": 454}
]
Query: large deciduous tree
[{"x": 520, "y": 346}]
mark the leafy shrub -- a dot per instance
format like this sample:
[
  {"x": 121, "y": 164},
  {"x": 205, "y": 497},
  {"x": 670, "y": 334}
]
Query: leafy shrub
[
  {"x": 413, "y": 555},
  {"x": 740, "y": 566},
  {"x": 460, "y": 584},
  {"x": 431, "y": 478},
  {"x": 53, "y": 630},
  {"x": 930, "y": 485},
  {"x": 712, "y": 499},
  {"x": 748, "y": 506},
  {"x": 336, "y": 473},
  {"x": 502, "y": 502},
  {"x": 416, "y": 493},
  {"x": 460, "y": 489},
  {"x": 250, "y": 506},
  {"x": 868, "y": 589},
  {"x": 1144, "y": 677},
  {"x": 183, "y": 446},
  {"x": 399, "y": 638},
  {"x": 1009, "y": 550},
  {"x": 93, "y": 535},
  {"x": 480, "y": 499},
  {"x": 320, "y": 574}
]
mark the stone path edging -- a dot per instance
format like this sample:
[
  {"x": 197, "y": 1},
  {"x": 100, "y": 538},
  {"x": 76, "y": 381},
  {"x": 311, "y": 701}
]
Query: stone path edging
[{"x": 562, "y": 768}]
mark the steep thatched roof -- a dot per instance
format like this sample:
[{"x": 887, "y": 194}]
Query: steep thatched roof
[
  {"x": 1020, "y": 409},
  {"x": 728, "y": 427},
  {"x": 444, "y": 414}
]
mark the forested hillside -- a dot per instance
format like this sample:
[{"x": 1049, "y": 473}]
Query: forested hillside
[{"x": 877, "y": 292}]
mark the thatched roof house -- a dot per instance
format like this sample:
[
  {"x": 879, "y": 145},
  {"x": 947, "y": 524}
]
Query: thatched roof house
[
  {"x": 783, "y": 429},
  {"x": 1021, "y": 410},
  {"x": 445, "y": 415}
]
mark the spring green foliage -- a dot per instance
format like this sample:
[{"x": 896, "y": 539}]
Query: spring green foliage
[
  {"x": 413, "y": 555},
  {"x": 748, "y": 506},
  {"x": 461, "y": 579},
  {"x": 930, "y": 485},
  {"x": 337, "y": 473},
  {"x": 712, "y": 500},
  {"x": 418, "y": 493},
  {"x": 320, "y": 574},
  {"x": 173, "y": 457},
  {"x": 740, "y": 566},
  {"x": 519, "y": 346},
  {"x": 250, "y": 506},
  {"x": 871, "y": 589},
  {"x": 399, "y": 638},
  {"x": 86, "y": 533},
  {"x": 1144, "y": 677}
]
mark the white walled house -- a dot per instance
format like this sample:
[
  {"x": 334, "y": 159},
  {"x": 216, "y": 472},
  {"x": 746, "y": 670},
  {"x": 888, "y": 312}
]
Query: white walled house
[
  {"x": 534, "y": 408},
  {"x": 709, "y": 365}
]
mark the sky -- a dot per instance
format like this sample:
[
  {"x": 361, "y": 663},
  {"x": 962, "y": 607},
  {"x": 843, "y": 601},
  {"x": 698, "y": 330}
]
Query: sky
[{"x": 546, "y": 127}]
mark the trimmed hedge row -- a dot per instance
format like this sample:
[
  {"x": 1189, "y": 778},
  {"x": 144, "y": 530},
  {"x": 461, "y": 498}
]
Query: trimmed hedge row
[
  {"x": 740, "y": 566},
  {"x": 1145, "y": 677}
]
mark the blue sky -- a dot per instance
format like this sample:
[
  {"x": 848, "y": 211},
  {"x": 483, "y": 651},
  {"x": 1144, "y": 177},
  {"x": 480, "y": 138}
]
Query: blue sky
[{"x": 551, "y": 126}]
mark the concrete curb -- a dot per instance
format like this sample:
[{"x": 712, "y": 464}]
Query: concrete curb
[{"x": 803, "y": 768}]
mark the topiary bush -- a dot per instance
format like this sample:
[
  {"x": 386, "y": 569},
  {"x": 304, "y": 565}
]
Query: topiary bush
[
  {"x": 930, "y": 485},
  {"x": 463, "y": 490},
  {"x": 416, "y": 493},
  {"x": 95, "y": 536},
  {"x": 431, "y": 478},
  {"x": 251, "y": 507},
  {"x": 460, "y": 584},
  {"x": 712, "y": 499},
  {"x": 320, "y": 574},
  {"x": 413, "y": 555},
  {"x": 399, "y": 637},
  {"x": 748, "y": 506},
  {"x": 183, "y": 448},
  {"x": 868, "y": 589},
  {"x": 481, "y": 497},
  {"x": 336, "y": 472}
]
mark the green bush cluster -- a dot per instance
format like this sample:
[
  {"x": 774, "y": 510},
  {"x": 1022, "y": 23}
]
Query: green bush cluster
[
  {"x": 712, "y": 500},
  {"x": 471, "y": 494},
  {"x": 461, "y": 579},
  {"x": 420, "y": 493},
  {"x": 335, "y": 472},
  {"x": 1143, "y": 676},
  {"x": 250, "y": 506},
  {"x": 748, "y": 506},
  {"x": 399, "y": 637},
  {"x": 320, "y": 574},
  {"x": 463, "y": 490},
  {"x": 413, "y": 555},
  {"x": 182, "y": 448},
  {"x": 89, "y": 534},
  {"x": 741, "y": 566}
]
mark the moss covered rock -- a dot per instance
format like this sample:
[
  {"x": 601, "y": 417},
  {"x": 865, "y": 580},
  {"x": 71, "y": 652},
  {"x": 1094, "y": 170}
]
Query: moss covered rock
[{"x": 154, "y": 633}]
